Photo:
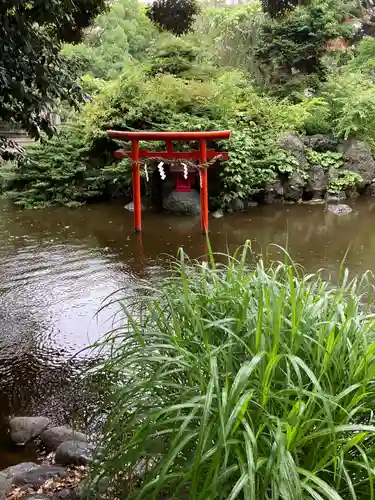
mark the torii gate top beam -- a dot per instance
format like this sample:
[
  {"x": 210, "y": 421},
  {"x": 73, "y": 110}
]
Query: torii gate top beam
[{"x": 172, "y": 136}]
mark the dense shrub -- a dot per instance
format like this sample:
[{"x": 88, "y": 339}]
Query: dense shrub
[
  {"x": 229, "y": 381},
  {"x": 290, "y": 48}
]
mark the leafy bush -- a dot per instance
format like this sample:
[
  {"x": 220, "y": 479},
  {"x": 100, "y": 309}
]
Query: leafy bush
[
  {"x": 290, "y": 48},
  {"x": 352, "y": 100},
  {"x": 116, "y": 38},
  {"x": 229, "y": 381},
  {"x": 58, "y": 171},
  {"x": 171, "y": 55}
]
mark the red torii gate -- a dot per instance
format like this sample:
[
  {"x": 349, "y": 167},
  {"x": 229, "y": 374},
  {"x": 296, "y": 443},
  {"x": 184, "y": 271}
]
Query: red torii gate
[{"x": 202, "y": 154}]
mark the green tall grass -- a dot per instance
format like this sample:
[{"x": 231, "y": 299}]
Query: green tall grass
[{"x": 237, "y": 382}]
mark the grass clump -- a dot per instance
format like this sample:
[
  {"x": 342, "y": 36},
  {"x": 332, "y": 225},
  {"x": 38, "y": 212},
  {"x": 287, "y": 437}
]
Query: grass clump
[{"x": 242, "y": 382}]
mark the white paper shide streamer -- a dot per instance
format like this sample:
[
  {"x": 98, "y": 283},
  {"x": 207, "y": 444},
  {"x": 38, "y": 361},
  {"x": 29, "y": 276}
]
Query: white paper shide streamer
[
  {"x": 185, "y": 170},
  {"x": 161, "y": 170},
  {"x": 146, "y": 172},
  {"x": 200, "y": 178}
]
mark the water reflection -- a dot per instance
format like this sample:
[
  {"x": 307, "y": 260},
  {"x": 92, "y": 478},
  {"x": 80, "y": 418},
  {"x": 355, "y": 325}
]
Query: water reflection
[{"x": 57, "y": 266}]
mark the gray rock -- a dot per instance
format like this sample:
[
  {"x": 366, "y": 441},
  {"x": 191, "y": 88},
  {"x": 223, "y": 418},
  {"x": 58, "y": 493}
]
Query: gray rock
[
  {"x": 339, "y": 209},
  {"x": 25, "y": 429},
  {"x": 317, "y": 181},
  {"x": 39, "y": 476},
  {"x": 320, "y": 142},
  {"x": 74, "y": 493},
  {"x": 293, "y": 187},
  {"x": 186, "y": 203},
  {"x": 4, "y": 485},
  {"x": 37, "y": 496},
  {"x": 274, "y": 192},
  {"x": 315, "y": 201},
  {"x": 358, "y": 158},
  {"x": 16, "y": 470},
  {"x": 237, "y": 205},
  {"x": 130, "y": 206},
  {"x": 335, "y": 198},
  {"x": 218, "y": 214},
  {"x": 294, "y": 144},
  {"x": 53, "y": 437},
  {"x": 252, "y": 204},
  {"x": 74, "y": 453}
]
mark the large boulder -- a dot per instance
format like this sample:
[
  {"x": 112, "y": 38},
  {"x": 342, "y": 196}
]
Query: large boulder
[
  {"x": 19, "y": 469},
  {"x": 25, "y": 429},
  {"x": 294, "y": 144},
  {"x": 74, "y": 453},
  {"x": 36, "y": 477},
  {"x": 358, "y": 159},
  {"x": 53, "y": 437},
  {"x": 186, "y": 203},
  {"x": 320, "y": 142},
  {"x": 317, "y": 182}
]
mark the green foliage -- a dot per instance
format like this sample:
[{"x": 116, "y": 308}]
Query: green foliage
[
  {"x": 351, "y": 97},
  {"x": 171, "y": 55},
  {"x": 255, "y": 160},
  {"x": 229, "y": 382},
  {"x": 326, "y": 159},
  {"x": 364, "y": 60},
  {"x": 339, "y": 180},
  {"x": 228, "y": 35},
  {"x": 290, "y": 48},
  {"x": 342, "y": 180},
  {"x": 176, "y": 16},
  {"x": 57, "y": 171},
  {"x": 116, "y": 38},
  {"x": 33, "y": 74}
]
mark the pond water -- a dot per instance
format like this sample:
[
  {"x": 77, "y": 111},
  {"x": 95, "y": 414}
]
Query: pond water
[{"x": 57, "y": 266}]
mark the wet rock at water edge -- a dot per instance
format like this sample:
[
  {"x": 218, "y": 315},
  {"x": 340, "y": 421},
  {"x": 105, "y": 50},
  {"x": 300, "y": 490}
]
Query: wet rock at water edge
[
  {"x": 130, "y": 206},
  {"x": 25, "y": 429},
  {"x": 218, "y": 214},
  {"x": 339, "y": 209},
  {"x": 237, "y": 205},
  {"x": 39, "y": 476},
  {"x": 19, "y": 469},
  {"x": 314, "y": 201},
  {"x": 184, "y": 203},
  {"x": 274, "y": 192},
  {"x": 53, "y": 437},
  {"x": 335, "y": 198},
  {"x": 74, "y": 453},
  {"x": 317, "y": 181}
]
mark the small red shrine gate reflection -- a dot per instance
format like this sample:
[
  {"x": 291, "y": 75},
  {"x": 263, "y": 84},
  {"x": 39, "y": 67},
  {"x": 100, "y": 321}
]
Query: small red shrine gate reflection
[{"x": 202, "y": 155}]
